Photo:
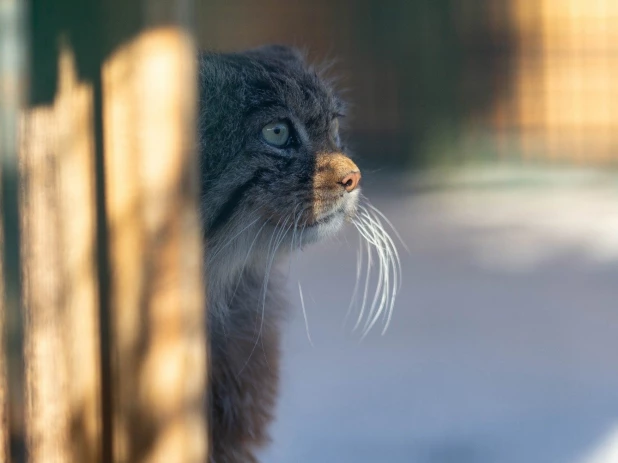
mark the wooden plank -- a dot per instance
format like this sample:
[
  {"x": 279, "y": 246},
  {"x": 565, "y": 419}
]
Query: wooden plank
[
  {"x": 60, "y": 285},
  {"x": 114, "y": 348},
  {"x": 155, "y": 248},
  {"x": 155, "y": 244}
]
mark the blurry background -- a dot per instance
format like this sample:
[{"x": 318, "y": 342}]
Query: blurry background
[
  {"x": 445, "y": 81},
  {"x": 487, "y": 132}
]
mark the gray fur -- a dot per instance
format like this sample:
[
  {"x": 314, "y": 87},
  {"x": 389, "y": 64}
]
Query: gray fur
[{"x": 255, "y": 199}]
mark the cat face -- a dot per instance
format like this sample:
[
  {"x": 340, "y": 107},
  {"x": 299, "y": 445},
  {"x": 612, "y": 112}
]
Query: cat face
[
  {"x": 270, "y": 150},
  {"x": 275, "y": 176}
]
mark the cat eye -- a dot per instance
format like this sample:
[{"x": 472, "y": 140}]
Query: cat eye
[{"x": 276, "y": 133}]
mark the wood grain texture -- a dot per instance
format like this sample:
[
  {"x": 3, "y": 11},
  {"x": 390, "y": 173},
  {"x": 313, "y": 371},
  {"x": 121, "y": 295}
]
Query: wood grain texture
[
  {"x": 155, "y": 250},
  {"x": 132, "y": 106},
  {"x": 60, "y": 288}
]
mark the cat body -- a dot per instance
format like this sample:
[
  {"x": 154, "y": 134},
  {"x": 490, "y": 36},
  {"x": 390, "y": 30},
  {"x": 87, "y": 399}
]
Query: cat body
[{"x": 274, "y": 178}]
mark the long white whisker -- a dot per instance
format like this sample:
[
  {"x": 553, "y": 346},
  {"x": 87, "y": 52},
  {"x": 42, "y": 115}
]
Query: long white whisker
[
  {"x": 294, "y": 229},
  {"x": 295, "y": 232},
  {"x": 377, "y": 211},
  {"x": 359, "y": 263},
  {"x": 392, "y": 263},
  {"x": 247, "y": 257},
  {"x": 296, "y": 219},
  {"x": 386, "y": 240},
  {"x": 397, "y": 271},
  {"x": 277, "y": 242},
  {"x": 228, "y": 242},
  {"x": 384, "y": 237},
  {"x": 302, "y": 303},
  {"x": 382, "y": 286},
  {"x": 393, "y": 248},
  {"x": 275, "y": 232},
  {"x": 387, "y": 259},
  {"x": 368, "y": 222},
  {"x": 300, "y": 241},
  {"x": 366, "y": 289}
]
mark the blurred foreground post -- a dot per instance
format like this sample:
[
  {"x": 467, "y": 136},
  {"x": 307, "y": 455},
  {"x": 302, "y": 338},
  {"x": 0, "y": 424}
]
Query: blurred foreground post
[
  {"x": 108, "y": 239},
  {"x": 12, "y": 91},
  {"x": 149, "y": 99}
]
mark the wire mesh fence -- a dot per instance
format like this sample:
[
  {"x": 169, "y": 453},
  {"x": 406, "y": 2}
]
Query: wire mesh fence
[{"x": 449, "y": 81}]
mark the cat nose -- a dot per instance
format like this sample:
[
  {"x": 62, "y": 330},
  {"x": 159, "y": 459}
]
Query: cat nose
[
  {"x": 335, "y": 170},
  {"x": 350, "y": 181}
]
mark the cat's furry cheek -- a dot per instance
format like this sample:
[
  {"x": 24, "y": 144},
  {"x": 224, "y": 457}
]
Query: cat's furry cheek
[
  {"x": 331, "y": 228},
  {"x": 351, "y": 204},
  {"x": 322, "y": 231},
  {"x": 346, "y": 213}
]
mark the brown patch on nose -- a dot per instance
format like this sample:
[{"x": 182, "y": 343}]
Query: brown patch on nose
[
  {"x": 335, "y": 174},
  {"x": 334, "y": 170}
]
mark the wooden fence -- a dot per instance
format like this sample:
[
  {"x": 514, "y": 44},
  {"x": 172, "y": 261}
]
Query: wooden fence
[{"x": 103, "y": 330}]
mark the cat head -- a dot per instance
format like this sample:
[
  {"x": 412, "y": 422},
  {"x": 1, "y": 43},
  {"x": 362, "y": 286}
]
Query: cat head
[
  {"x": 270, "y": 148},
  {"x": 275, "y": 174}
]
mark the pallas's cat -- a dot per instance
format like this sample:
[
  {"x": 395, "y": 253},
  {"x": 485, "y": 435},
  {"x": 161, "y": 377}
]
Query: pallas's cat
[{"x": 275, "y": 178}]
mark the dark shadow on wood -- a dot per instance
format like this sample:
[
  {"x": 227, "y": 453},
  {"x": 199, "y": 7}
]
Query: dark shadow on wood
[
  {"x": 94, "y": 29},
  {"x": 103, "y": 275},
  {"x": 11, "y": 91}
]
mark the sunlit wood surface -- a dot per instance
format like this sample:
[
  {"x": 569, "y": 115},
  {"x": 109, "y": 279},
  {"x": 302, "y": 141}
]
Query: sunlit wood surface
[
  {"x": 155, "y": 250},
  {"x": 136, "y": 108},
  {"x": 60, "y": 289}
]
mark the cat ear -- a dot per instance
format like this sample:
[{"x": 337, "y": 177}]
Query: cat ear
[{"x": 283, "y": 53}]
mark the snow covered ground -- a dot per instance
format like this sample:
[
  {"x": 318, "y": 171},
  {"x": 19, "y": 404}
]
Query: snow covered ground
[{"x": 504, "y": 343}]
